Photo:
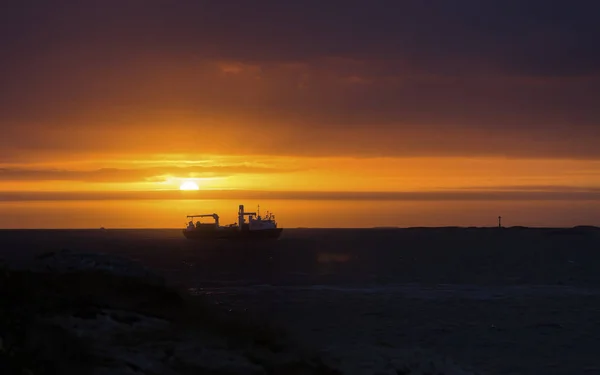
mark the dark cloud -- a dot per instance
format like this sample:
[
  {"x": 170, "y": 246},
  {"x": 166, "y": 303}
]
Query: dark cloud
[
  {"x": 131, "y": 175},
  {"x": 536, "y": 188},
  {"x": 501, "y": 77},
  {"x": 531, "y": 36},
  {"x": 559, "y": 194}
]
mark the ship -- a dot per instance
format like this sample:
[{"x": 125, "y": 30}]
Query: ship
[{"x": 257, "y": 227}]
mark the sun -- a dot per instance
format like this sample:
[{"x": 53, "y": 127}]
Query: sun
[{"x": 189, "y": 185}]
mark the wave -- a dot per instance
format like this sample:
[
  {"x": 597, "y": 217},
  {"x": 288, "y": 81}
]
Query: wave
[{"x": 439, "y": 291}]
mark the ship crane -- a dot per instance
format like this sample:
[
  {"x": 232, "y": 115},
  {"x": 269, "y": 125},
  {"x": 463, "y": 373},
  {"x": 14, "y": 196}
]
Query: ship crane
[{"x": 214, "y": 216}]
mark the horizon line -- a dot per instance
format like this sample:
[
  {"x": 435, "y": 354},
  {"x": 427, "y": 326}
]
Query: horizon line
[{"x": 579, "y": 226}]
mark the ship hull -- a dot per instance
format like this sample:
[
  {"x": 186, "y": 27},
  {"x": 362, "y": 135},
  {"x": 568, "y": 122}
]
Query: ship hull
[{"x": 233, "y": 234}]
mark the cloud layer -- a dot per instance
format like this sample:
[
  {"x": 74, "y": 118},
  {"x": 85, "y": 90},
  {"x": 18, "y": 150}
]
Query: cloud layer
[
  {"x": 116, "y": 175},
  {"x": 397, "y": 78},
  {"x": 556, "y": 193}
]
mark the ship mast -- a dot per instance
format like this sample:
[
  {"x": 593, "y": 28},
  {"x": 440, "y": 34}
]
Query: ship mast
[{"x": 241, "y": 215}]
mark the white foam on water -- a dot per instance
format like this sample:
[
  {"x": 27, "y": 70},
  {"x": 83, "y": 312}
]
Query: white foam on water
[{"x": 440, "y": 291}]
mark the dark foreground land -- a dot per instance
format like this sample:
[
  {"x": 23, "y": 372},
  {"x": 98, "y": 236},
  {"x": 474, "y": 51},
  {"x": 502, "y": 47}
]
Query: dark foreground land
[
  {"x": 74, "y": 314},
  {"x": 497, "y": 301}
]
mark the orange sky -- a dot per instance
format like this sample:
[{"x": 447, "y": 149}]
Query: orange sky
[
  {"x": 297, "y": 174},
  {"x": 310, "y": 101}
]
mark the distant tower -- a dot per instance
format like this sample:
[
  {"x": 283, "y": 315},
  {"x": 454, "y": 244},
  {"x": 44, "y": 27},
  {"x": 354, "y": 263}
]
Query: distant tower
[{"x": 499, "y": 221}]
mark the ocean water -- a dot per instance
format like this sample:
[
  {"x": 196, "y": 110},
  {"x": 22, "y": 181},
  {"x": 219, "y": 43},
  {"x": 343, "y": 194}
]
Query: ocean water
[{"x": 516, "y": 301}]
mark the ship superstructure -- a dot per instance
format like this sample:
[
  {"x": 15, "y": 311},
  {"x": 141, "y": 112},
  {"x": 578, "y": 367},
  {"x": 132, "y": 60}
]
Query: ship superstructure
[{"x": 256, "y": 226}]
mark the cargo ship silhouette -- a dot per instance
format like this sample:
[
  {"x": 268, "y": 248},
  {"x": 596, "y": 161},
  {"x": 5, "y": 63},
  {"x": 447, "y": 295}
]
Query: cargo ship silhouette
[{"x": 257, "y": 227}]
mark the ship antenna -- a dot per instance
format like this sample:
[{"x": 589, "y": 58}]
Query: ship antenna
[{"x": 258, "y": 210}]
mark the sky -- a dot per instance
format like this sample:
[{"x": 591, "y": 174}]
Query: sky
[{"x": 418, "y": 100}]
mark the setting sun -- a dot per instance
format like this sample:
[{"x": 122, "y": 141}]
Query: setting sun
[{"x": 189, "y": 185}]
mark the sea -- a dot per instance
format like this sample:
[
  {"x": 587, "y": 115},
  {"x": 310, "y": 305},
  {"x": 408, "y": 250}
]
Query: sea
[{"x": 510, "y": 300}]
